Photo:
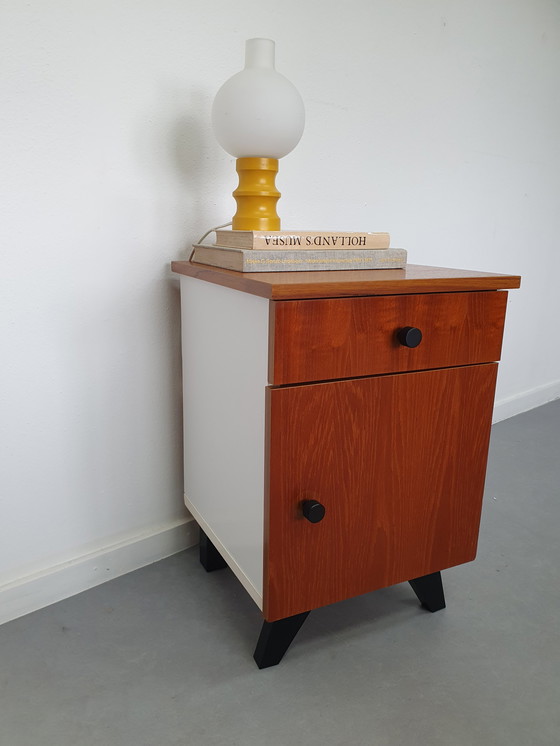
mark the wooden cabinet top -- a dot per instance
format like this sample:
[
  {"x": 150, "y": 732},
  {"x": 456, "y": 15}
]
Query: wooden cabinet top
[{"x": 415, "y": 278}]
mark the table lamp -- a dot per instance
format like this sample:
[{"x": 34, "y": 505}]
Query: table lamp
[{"x": 258, "y": 116}]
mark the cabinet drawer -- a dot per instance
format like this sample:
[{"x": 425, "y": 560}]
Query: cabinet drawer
[{"x": 318, "y": 340}]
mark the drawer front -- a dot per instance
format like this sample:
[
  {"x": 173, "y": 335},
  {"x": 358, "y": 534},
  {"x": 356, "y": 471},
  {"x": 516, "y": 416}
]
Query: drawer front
[
  {"x": 318, "y": 340},
  {"x": 398, "y": 463}
]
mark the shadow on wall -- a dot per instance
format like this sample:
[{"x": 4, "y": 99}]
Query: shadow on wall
[{"x": 193, "y": 153}]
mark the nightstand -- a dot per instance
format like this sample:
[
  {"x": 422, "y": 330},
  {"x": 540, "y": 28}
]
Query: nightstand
[{"x": 336, "y": 429}]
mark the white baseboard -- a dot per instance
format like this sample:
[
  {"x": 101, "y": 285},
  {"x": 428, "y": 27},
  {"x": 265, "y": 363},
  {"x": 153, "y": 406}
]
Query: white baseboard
[
  {"x": 510, "y": 406},
  {"x": 49, "y": 585}
]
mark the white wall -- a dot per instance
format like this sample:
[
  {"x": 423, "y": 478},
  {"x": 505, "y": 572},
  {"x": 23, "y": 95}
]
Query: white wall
[{"x": 437, "y": 121}]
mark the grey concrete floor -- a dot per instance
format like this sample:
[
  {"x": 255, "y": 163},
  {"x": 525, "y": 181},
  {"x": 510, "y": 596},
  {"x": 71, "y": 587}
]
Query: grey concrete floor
[{"x": 163, "y": 655}]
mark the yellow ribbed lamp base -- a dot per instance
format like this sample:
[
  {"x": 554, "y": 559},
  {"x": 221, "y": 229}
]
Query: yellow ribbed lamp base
[{"x": 256, "y": 195}]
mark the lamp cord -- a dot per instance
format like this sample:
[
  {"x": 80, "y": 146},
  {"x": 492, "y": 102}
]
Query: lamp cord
[{"x": 201, "y": 239}]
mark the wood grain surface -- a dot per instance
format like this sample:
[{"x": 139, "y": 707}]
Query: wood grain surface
[
  {"x": 399, "y": 463},
  {"x": 315, "y": 340},
  {"x": 414, "y": 278}
]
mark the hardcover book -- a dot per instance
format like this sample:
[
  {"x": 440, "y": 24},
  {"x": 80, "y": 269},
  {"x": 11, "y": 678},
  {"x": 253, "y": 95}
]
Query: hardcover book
[
  {"x": 301, "y": 240},
  {"x": 294, "y": 260}
]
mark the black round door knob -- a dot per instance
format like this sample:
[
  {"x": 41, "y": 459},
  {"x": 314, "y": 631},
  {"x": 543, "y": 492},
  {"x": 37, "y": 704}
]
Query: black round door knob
[
  {"x": 409, "y": 336},
  {"x": 313, "y": 510}
]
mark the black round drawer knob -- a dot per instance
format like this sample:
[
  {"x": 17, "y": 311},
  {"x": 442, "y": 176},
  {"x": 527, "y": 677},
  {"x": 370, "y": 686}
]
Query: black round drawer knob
[
  {"x": 409, "y": 336},
  {"x": 313, "y": 510}
]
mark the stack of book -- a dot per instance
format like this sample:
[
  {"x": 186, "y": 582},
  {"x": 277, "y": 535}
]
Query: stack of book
[{"x": 290, "y": 251}]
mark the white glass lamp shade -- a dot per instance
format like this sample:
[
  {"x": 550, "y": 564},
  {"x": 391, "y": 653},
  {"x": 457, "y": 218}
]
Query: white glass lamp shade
[{"x": 258, "y": 112}]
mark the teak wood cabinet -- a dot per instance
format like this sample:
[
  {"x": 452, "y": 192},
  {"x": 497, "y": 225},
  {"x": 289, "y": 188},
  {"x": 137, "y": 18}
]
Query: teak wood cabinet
[{"x": 336, "y": 429}]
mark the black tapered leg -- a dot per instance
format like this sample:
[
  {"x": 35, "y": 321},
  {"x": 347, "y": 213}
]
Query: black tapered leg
[
  {"x": 276, "y": 638},
  {"x": 429, "y": 590},
  {"x": 210, "y": 558}
]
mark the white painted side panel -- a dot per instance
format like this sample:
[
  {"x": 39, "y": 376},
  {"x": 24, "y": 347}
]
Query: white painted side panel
[{"x": 225, "y": 364}]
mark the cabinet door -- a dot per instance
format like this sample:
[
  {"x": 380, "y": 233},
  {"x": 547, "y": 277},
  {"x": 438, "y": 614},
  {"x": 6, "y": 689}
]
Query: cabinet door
[{"x": 397, "y": 461}]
